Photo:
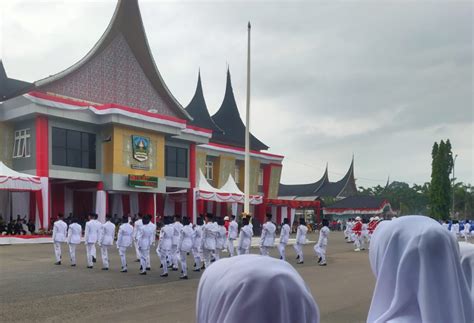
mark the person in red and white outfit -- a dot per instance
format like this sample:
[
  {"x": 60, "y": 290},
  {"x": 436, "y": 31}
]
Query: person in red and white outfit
[{"x": 357, "y": 231}]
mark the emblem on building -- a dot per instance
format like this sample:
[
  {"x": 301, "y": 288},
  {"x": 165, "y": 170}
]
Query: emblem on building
[{"x": 140, "y": 148}]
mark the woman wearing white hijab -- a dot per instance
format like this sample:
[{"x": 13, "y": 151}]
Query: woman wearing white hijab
[
  {"x": 254, "y": 288},
  {"x": 419, "y": 275},
  {"x": 467, "y": 263}
]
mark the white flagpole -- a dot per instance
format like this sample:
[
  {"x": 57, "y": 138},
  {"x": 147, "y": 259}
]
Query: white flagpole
[{"x": 247, "y": 137}]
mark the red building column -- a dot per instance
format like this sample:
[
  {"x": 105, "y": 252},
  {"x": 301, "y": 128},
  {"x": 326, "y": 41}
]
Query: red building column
[
  {"x": 42, "y": 170},
  {"x": 192, "y": 182}
]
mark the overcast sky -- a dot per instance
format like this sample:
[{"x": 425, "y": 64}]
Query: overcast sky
[{"x": 380, "y": 80}]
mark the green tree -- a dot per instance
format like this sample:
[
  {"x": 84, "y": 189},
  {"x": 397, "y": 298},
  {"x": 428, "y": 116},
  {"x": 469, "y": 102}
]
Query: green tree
[{"x": 440, "y": 186}]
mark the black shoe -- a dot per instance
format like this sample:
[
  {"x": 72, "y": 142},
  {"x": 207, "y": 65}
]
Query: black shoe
[
  {"x": 93, "y": 259},
  {"x": 213, "y": 259},
  {"x": 174, "y": 269},
  {"x": 57, "y": 263},
  {"x": 183, "y": 277},
  {"x": 164, "y": 275},
  {"x": 105, "y": 268},
  {"x": 138, "y": 260},
  {"x": 323, "y": 264},
  {"x": 73, "y": 265},
  {"x": 170, "y": 266},
  {"x": 197, "y": 270},
  {"x": 124, "y": 271},
  {"x": 142, "y": 273},
  {"x": 90, "y": 267},
  {"x": 181, "y": 271},
  {"x": 194, "y": 265},
  {"x": 281, "y": 258},
  {"x": 297, "y": 257},
  {"x": 203, "y": 267},
  {"x": 300, "y": 262},
  {"x": 141, "y": 268},
  {"x": 161, "y": 266},
  {"x": 148, "y": 268},
  {"x": 319, "y": 260}
]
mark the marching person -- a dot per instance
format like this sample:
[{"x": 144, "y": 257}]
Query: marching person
[
  {"x": 91, "y": 235},
  {"x": 136, "y": 226},
  {"x": 209, "y": 235},
  {"x": 245, "y": 237},
  {"x": 267, "y": 239},
  {"x": 348, "y": 231},
  {"x": 197, "y": 244},
  {"x": 284, "y": 237},
  {"x": 233, "y": 233},
  {"x": 177, "y": 226},
  {"x": 467, "y": 230},
  {"x": 320, "y": 247},
  {"x": 73, "y": 239},
  {"x": 106, "y": 240},
  {"x": 124, "y": 240},
  {"x": 59, "y": 236},
  {"x": 220, "y": 239},
  {"x": 145, "y": 237},
  {"x": 165, "y": 244},
  {"x": 300, "y": 240},
  {"x": 357, "y": 232},
  {"x": 185, "y": 245}
]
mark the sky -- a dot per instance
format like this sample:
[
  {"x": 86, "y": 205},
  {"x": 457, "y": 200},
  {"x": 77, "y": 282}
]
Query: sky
[{"x": 380, "y": 80}]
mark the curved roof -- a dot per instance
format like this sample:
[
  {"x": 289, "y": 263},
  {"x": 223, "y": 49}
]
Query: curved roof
[
  {"x": 228, "y": 119},
  {"x": 303, "y": 189},
  {"x": 126, "y": 21},
  {"x": 197, "y": 108},
  {"x": 10, "y": 87}
]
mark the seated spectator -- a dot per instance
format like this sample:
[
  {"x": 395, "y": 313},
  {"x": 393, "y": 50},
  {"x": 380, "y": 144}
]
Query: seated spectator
[
  {"x": 31, "y": 227},
  {"x": 253, "y": 288},
  {"x": 11, "y": 227},
  {"x": 419, "y": 276}
]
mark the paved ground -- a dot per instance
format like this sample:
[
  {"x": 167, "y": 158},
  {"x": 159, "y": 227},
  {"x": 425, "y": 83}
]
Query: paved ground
[{"x": 33, "y": 289}]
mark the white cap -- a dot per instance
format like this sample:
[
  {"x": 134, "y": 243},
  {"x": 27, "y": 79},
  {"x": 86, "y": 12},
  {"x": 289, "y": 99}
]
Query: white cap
[
  {"x": 376, "y": 218},
  {"x": 358, "y": 218},
  {"x": 226, "y": 218},
  {"x": 371, "y": 218}
]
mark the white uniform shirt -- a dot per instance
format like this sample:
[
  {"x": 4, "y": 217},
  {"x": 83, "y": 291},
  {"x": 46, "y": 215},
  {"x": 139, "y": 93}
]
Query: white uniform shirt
[
  {"x": 146, "y": 236},
  {"x": 91, "y": 233},
  {"x": 124, "y": 236},
  {"x": 233, "y": 230},
  {"x": 107, "y": 234},
  {"x": 245, "y": 236},
  {"x": 197, "y": 236},
  {"x": 186, "y": 238},
  {"x": 323, "y": 236},
  {"x": 285, "y": 233},
  {"x": 221, "y": 235},
  {"x": 177, "y": 226},
  {"x": 467, "y": 227},
  {"x": 301, "y": 234},
  {"x": 136, "y": 227},
  {"x": 209, "y": 235},
  {"x": 59, "y": 231},
  {"x": 268, "y": 234},
  {"x": 166, "y": 237},
  {"x": 74, "y": 234}
]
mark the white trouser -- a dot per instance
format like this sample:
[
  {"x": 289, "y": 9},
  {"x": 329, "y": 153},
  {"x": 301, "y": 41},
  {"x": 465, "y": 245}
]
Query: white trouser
[
  {"x": 217, "y": 254},
  {"x": 137, "y": 250},
  {"x": 94, "y": 251},
  {"x": 163, "y": 254},
  {"x": 72, "y": 253},
  {"x": 182, "y": 260},
  {"x": 57, "y": 250},
  {"x": 299, "y": 251},
  {"x": 242, "y": 251},
  {"x": 357, "y": 241},
  {"x": 197, "y": 257},
  {"x": 265, "y": 251},
  {"x": 320, "y": 251},
  {"x": 104, "y": 252},
  {"x": 123, "y": 256},
  {"x": 174, "y": 255},
  {"x": 281, "y": 249},
  {"x": 230, "y": 246},
  {"x": 144, "y": 258},
  {"x": 89, "y": 251},
  {"x": 207, "y": 256}
]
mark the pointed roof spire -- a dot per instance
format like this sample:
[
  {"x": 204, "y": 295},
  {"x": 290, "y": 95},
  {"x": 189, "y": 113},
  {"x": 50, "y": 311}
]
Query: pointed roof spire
[
  {"x": 10, "y": 87},
  {"x": 197, "y": 108},
  {"x": 228, "y": 119},
  {"x": 304, "y": 189}
]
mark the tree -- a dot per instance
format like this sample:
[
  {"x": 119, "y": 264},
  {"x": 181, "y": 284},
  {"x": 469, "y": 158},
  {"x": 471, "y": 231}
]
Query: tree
[{"x": 440, "y": 186}]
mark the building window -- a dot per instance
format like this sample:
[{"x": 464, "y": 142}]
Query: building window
[
  {"x": 176, "y": 164},
  {"x": 22, "y": 144},
  {"x": 209, "y": 170},
  {"x": 260, "y": 177},
  {"x": 73, "y": 148},
  {"x": 237, "y": 174}
]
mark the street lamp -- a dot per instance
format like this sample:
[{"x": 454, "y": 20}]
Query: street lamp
[{"x": 454, "y": 163}]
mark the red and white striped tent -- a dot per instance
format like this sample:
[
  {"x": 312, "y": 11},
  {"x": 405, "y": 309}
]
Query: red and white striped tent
[{"x": 14, "y": 182}]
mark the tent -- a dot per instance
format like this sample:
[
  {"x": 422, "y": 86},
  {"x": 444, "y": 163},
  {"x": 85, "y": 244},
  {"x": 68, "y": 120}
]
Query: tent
[{"x": 33, "y": 190}]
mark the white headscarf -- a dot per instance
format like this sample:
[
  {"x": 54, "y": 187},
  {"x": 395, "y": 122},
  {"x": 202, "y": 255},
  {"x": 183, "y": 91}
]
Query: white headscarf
[
  {"x": 252, "y": 288},
  {"x": 467, "y": 263},
  {"x": 419, "y": 275}
]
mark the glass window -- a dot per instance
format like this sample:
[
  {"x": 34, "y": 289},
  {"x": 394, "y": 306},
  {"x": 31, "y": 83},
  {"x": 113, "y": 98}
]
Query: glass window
[
  {"x": 260, "y": 177},
  {"x": 176, "y": 164},
  {"x": 237, "y": 174},
  {"x": 73, "y": 148},
  {"x": 209, "y": 170},
  {"x": 22, "y": 144}
]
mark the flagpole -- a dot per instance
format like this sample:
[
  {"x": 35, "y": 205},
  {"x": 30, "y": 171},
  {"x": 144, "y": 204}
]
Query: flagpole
[{"x": 247, "y": 136}]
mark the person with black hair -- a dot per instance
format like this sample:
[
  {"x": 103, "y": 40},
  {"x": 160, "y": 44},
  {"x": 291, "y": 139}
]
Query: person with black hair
[
  {"x": 145, "y": 237},
  {"x": 300, "y": 240},
  {"x": 136, "y": 226},
  {"x": 320, "y": 247},
  {"x": 245, "y": 237},
  {"x": 267, "y": 239},
  {"x": 73, "y": 239},
  {"x": 284, "y": 237},
  {"x": 124, "y": 240},
  {"x": 177, "y": 226},
  {"x": 220, "y": 239},
  {"x": 165, "y": 244},
  {"x": 185, "y": 245},
  {"x": 59, "y": 236},
  {"x": 233, "y": 234},
  {"x": 106, "y": 240},
  {"x": 197, "y": 244},
  {"x": 91, "y": 236},
  {"x": 209, "y": 236}
]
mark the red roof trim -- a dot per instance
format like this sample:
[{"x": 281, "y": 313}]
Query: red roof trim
[
  {"x": 198, "y": 128},
  {"x": 243, "y": 150}
]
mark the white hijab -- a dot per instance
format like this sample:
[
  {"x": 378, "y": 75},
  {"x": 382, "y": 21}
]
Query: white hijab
[
  {"x": 467, "y": 264},
  {"x": 419, "y": 275},
  {"x": 253, "y": 288}
]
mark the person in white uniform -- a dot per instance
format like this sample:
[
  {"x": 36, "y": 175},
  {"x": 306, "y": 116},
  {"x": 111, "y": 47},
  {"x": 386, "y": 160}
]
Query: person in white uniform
[
  {"x": 245, "y": 237},
  {"x": 106, "y": 240},
  {"x": 233, "y": 234},
  {"x": 466, "y": 233},
  {"x": 185, "y": 245},
  {"x": 220, "y": 239},
  {"x": 164, "y": 244},
  {"x": 74, "y": 233},
  {"x": 177, "y": 226},
  {"x": 418, "y": 271},
  {"x": 91, "y": 236},
  {"x": 145, "y": 236},
  {"x": 301, "y": 232},
  {"x": 209, "y": 237},
  {"x": 467, "y": 263},
  {"x": 136, "y": 226},
  {"x": 253, "y": 288},
  {"x": 59, "y": 236},
  {"x": 267, "y": 239},
  {"x": 284, "y": 237},
  {"x": 124, "y": 240},
  {"x": 320, "y": 247},
  {"x": 197, "y": 244}
]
